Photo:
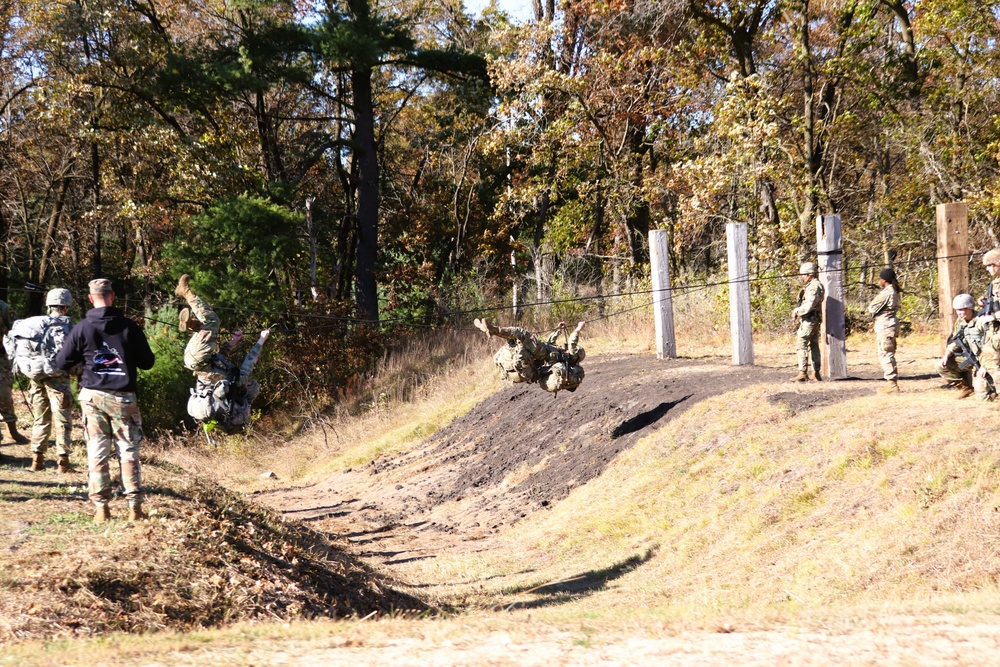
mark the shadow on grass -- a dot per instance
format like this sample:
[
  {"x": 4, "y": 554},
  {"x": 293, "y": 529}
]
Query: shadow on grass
[
  {"x": 644, "y": 419},
  {"x": 588, "y": 583}
]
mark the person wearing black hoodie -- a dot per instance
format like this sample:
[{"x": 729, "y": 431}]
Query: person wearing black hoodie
[{"x": 112, "y": 348}]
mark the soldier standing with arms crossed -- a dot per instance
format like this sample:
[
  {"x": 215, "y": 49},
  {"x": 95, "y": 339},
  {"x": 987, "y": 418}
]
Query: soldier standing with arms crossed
[
  {"x": 809, "y": 314},
  {"x": 112, "y": 349}
]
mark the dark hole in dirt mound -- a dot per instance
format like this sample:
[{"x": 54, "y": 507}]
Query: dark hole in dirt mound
[{"x": 566, "y": 440}]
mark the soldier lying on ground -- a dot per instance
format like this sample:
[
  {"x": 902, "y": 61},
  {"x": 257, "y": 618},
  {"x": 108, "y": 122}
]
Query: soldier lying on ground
[
  {"x": 527, "y": 359},
  {"x": 223, "y": 392}
]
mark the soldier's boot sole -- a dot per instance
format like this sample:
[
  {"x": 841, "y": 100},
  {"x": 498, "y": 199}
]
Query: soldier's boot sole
[
  {"x": 186, "y": 321},
  {"x": 103, "y": 514},
  {"x": 37, "y": 463}
]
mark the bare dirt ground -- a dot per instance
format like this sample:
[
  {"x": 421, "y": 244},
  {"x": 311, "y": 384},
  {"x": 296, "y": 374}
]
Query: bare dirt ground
[
  {"x": 521, "y": 451},
  {"x": 941, "y": 640}
]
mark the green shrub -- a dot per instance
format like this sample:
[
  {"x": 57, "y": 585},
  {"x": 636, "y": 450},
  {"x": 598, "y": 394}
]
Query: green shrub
[{"x": 163, "y": 390}]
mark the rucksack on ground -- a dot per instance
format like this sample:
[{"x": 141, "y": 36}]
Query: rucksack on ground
[{"x": 33, "y": 343}]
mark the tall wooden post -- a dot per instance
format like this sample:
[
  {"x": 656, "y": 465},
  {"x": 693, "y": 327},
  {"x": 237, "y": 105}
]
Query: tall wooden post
[
  {"x": 663, "y": 304},
  {"x": 953, "y": 261},
  {"x": 830, "y": 256},
  {"x": 740, "y": 326}
]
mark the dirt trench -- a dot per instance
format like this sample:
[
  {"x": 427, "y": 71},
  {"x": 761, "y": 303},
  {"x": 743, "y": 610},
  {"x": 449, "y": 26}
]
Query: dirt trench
[{"x": 521, "y": 451}]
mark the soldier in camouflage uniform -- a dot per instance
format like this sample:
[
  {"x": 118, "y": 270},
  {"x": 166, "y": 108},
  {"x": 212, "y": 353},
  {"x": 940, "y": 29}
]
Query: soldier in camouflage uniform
[
  {"x": 7, "y": 415},
  {"x": 969, "y": 330},
  {"x": 527, "y": 359},
  {"x": 991, "y": 302},
  {"x": 112, "y": 348},
  {"x": 51, "y": 398},
  {"x": 223, "y": 392},
  {"x": 883, "y": 310},
  {"x": 809, "y": 314}
]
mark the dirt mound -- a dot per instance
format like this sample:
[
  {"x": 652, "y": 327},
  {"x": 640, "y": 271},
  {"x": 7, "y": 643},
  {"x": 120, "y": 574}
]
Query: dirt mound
[
  {"x": 521, "y": 450},
  {"x": 206, "y": 558}
]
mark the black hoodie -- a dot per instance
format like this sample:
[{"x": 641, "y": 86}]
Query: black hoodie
[{"x": 111, "y": 347}]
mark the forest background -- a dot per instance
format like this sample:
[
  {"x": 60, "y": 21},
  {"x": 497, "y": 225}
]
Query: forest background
[{"x": 348, "y": 174}]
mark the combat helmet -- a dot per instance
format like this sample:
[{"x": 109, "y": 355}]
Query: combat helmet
[
  {"x": 963, "y": 301},
  {"x": 59, "y": 297},
  {"x": 808, "y": 269}
]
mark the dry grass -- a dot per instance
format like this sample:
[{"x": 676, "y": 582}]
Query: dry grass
[
  {"x": 738, "y": 511},
  {"x": 205, "y": 558}
]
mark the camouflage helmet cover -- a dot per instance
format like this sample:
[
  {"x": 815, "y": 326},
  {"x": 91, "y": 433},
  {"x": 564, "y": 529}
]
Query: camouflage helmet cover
[
  {"x": 991, "y": 256},
  {"x": 808, "y": 269},
  {"x": 58, "y": 297},
  {"x": 963, "y": 301}
]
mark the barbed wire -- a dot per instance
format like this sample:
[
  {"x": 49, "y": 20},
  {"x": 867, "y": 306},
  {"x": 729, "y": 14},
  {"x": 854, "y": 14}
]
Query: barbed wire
[{"x": 338, "y": 321}]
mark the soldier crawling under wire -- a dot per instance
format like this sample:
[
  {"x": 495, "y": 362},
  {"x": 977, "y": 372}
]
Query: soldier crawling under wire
[{"x": 525, "y": 358}]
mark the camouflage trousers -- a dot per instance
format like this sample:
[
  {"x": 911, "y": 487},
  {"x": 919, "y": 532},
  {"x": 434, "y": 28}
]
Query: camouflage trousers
[
  {"x": 808, "y": 345},
  {"x": 112, "y": 419},
  {"x": 953, "y": 373},
  {"x": 6, "y": 391},
  {"x": 205, "y": 342},
  {"x": 51, "y": 403},
  {"x": 886, "y": 342}
]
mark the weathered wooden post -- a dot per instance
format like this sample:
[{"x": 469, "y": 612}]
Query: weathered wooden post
[
  {"x": 740, "y": 325},
  {"x": 663, "y": 304},
  {"x": 830, "y": 256},
  {"x": 953, "y": 261}
]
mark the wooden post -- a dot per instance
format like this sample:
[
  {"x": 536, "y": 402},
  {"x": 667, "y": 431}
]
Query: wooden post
[
  {"x": 740, "y": 325},
  {"x": 663, "y": 304},
  {"x": 830, "y": 256},
  {"x": 953, "y": 261}
]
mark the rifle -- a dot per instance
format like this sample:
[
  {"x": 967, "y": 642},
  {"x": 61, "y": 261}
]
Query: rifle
[
  {"x": 970, "y": 359},
  {"x": 990, "y": 306}
]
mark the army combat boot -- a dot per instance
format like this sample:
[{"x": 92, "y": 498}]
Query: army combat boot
[
  {"x": 818, "y": 378},
  {"x": 183, "y": 289},
  {"x": 103, "y": 513},
  {"x": 891, "y": 387},
  {"x": 486, "y": 328},
  {"x": 964, "y": 391},
  {"x": 135, "y": 513},
  {"x": 16, "y": 435},
  {"x": 37, "y": 462},
  {"x": 63, "y": 464},
  {"x": 801, "y": 377}
]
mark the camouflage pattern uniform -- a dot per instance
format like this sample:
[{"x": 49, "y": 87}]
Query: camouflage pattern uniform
[
  {"x": 210, "y": 365},
  {"x": 883, "y": 308},
  {"x": 111, "y": 421},
  {"x": 7, "y": 415},
  {"x": 810, "y": 312},
  {"x": 521, "y": 357},
  {"x": 51, "y": 402},
  {"x": 564, "y": 370},
  {"x": 972, "y": 332}
]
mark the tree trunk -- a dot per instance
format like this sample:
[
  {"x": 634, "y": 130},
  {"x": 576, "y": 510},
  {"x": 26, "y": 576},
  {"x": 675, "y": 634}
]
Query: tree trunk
[{"x": 365, "y": 288}]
